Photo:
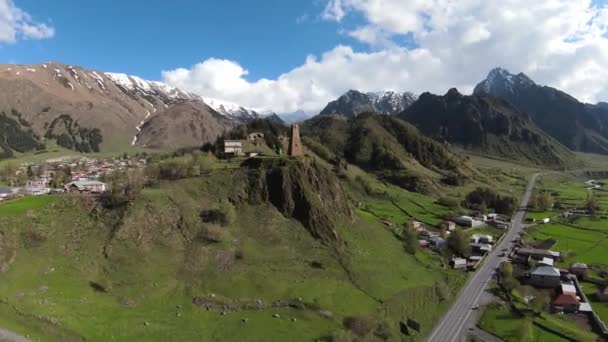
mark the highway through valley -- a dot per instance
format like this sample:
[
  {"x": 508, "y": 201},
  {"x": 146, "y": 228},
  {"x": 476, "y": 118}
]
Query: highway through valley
[{"x": 457, "y": 319}]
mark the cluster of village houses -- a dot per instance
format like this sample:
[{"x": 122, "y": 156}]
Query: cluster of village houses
[
  {"x": 538, "y": 263},
  {"x": 85, "y": 175},
  {"x": 544, "y": 275},
  {"x": 481, "y": 244}
]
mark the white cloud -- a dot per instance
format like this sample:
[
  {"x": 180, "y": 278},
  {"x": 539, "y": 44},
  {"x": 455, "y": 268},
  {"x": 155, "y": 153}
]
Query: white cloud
[
  {"x": 16, "y": 24},
  {"x": 562, "y": 43}
]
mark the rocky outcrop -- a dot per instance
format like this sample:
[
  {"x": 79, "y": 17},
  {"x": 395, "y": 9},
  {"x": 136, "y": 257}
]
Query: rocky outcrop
[{"x": 306, "y": 192}]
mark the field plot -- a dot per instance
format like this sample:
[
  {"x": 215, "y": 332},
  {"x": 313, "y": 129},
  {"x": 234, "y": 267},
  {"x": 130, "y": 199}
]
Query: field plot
[{"x": 579, "y": 245}]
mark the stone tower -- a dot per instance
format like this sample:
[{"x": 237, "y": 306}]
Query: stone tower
[{"x": 295, "y": 146}]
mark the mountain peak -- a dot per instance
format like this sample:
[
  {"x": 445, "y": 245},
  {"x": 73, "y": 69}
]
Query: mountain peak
[
  {"x": 354, "y": 102},
  {"x": 453, "y": 93},
  {"x": 500, "y": 80}
]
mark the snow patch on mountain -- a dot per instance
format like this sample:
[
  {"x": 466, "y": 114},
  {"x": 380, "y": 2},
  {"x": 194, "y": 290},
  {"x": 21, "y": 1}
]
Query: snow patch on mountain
[
  {"x": 170, "y": 94},
  {"x": 502, "y": 80}
]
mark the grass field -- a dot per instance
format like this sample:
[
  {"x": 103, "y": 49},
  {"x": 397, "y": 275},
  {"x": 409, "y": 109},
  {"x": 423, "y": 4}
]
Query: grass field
[
  {"x": 22, "y": 205},
  {"x": 501, "y": 321},
  {"x": 70, "y": 276},
  {"x": 586, "y": 246},
  {"x": 601, "y": 308},
  {"x": 540, "y": 215}
]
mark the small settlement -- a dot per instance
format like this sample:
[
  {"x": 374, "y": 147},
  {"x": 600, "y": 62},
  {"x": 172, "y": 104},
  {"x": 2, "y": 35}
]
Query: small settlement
[
  {"x": 481, "y": 244},
  {"x": 78, "y": 175},
  {"x": 562, "y": 284}
]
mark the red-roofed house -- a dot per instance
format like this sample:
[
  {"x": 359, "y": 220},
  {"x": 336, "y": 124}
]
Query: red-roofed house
[{"x": 566, "y": 302}]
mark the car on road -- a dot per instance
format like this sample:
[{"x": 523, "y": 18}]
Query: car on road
[
  {"x": 476, "y": 307},
  {"x": 502, "y": 255},
  {"x": 505, "y": 249}
]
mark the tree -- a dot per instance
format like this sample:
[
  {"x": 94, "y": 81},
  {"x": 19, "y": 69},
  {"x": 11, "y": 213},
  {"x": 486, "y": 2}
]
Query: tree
[
  {"x": 124, "y": 187},
  {"x": 410, "y": 240},
  {"x": 506, "y": 270},
  {"x": 459, "y": 243},
  {"x": 540, "y": 303},
  {"x": 592, "y": 204},
  {"x": 29, "y": 172},
  {"x": 7, "y": 171},
  {"x": 444, "y": 232},
  {"x": 544, "y": 201}
]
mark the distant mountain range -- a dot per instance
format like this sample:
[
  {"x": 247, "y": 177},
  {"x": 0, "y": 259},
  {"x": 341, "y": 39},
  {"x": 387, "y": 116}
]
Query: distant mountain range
[
  {"x": 509, "y": 115},
  {"x": 579, "y": 126},
  {"x": 66, "y": 104},
  {"x": 487, "y": 125},
  {"x": 354, "y": 103}
]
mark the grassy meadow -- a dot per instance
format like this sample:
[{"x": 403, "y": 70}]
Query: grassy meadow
[{"x": 73, "y": 275}]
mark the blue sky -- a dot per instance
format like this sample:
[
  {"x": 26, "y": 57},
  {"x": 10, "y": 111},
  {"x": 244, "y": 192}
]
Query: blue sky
[{"x": 143, "y": 37}]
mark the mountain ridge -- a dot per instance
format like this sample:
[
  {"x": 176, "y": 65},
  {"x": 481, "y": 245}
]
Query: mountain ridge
[
  {"x": 118, "y": 105},
  {"x": 485, "y": 124},
  {"x": 576, "y": 125},
  {"x": 354, "y": 103}
]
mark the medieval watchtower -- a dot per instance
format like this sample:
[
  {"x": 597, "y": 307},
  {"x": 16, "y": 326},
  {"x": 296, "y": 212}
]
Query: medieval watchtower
[{"x": 295, "y": 146}]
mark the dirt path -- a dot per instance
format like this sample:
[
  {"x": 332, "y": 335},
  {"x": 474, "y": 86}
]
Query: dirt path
[{"x": 9, "y": 336}]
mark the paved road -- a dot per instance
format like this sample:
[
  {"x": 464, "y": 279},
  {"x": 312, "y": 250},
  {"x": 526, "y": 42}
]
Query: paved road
[{"x": 453, "y": 325}]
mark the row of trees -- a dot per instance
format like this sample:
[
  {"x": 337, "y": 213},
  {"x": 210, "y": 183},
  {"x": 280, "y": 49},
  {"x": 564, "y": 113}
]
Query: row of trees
[
  {"x": 541, "y": 200},
  {"x": 483, "y": 199}
]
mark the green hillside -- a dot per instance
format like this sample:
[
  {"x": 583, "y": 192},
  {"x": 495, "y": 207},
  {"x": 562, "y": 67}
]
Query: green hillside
[
  {"x": 388, "y": 147},
  {"x": 272, "y": 250}
]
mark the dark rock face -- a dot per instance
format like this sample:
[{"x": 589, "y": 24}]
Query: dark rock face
[
  {"x": 306, "y": 192},
  {"x": 354, "y": 103},
  {"x": 485, "y": 124},
  {"x": 576, "y": 125}
]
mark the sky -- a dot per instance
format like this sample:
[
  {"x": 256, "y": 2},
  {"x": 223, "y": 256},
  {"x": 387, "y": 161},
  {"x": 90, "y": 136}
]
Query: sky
[{"x": 297, "y": 55}]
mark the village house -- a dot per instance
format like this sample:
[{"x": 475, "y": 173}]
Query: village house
[
  {"x": 36, "y": 191},
  {"x": 543, "y": 261},
  {"x": 579, "y": 270},
  {"x": 468, "y": 221},
  {"x": 448, "y": 225},
  {"x": 437, "y": 243},
  {"x": 459, "y": 263},
  {"x": 602, "y": 294},
  {"x": 38, "y": 183},
  {"x": 5, "y": 192},
  {"x": 481, "y": 247},
  {"x": 233, "y": 148},
  {"x": 568, "y": 289},
  {"x": 484, "y": 239},
  {"x": 538, "y": 254},
  {"x": 566, "y": 302},
  {"x": 423, "y": 243},
  {"x": 86, "y": 186},
  {"x": 501, "y": 224},
  {"x": 545, "y": 276}
]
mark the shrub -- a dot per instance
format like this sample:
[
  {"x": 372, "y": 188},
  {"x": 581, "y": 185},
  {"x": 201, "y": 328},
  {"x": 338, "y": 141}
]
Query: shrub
[
  {"x": 213, "y": 234},
  {"x": 360, "y": 325},
  {"x": 224, "y": 215},
  {"x": 125, "y": 186},
  {"x": 318, "y": 148},
  {"x": 448, "y": 202}
]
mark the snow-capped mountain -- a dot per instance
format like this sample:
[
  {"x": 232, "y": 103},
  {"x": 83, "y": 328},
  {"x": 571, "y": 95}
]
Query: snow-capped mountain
[
  {"x": 103, "y": 110},
  {"x": 354, "y": 103},
  {"x": 171, "y": 94},
  {"x": 235, "y": 110}
]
